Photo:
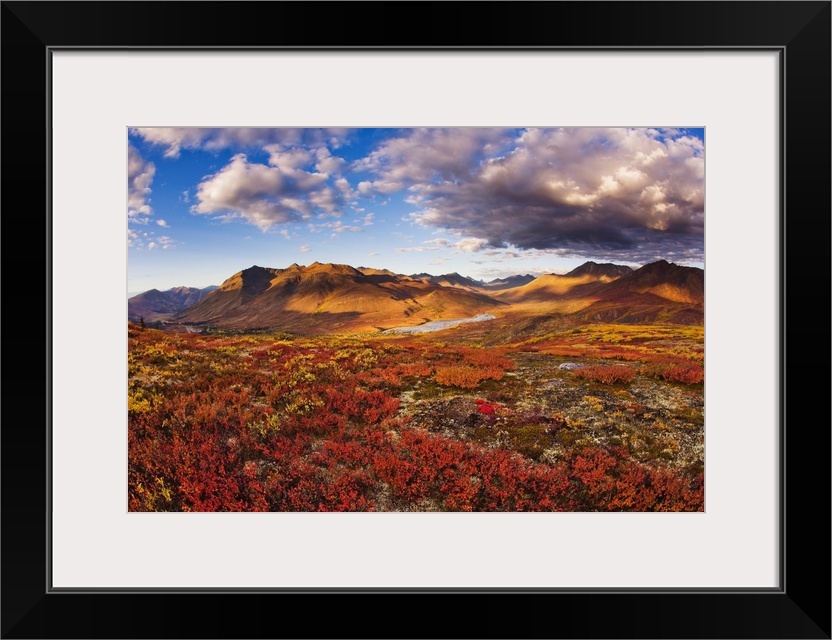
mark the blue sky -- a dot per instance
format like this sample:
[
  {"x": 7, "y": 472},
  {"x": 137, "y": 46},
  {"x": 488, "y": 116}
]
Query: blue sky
[{"x": 204, "y": 204}]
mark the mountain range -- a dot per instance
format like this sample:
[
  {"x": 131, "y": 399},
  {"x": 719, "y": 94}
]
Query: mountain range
[
  {"x": 328, "y": 298},
  {"x": 155, "y": 305}
]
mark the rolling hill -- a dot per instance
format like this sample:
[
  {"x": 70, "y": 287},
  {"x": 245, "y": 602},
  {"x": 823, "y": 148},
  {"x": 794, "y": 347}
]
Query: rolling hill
[
  {"x": 579, "y": 283},
  {"x": 330, "y": 297}
]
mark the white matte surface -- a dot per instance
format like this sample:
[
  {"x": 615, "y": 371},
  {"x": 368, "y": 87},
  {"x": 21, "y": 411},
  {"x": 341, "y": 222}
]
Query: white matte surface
[{"x": 98, "y": 95}]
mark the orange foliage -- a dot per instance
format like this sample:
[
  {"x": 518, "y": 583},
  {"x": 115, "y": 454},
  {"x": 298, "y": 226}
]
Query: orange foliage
[
  {"x": 418, "y": 369},
  {"x": 687, "y": 374},
  {"x": 465, "y": 376},
  {"x": 606, "y": 374},
  {"x": 684, "y": 372}
]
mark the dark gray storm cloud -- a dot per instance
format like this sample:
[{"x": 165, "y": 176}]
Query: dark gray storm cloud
[{"x": 624, "y": 193}]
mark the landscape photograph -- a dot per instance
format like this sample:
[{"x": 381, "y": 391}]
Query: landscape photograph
[{"x": 416, "y": 319}]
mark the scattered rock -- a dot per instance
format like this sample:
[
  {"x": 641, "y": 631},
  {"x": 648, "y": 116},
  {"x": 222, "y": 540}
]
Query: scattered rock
[{"x": 569, "y": 366}]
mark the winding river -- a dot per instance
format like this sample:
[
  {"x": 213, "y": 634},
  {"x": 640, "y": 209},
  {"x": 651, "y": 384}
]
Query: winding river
[{"x": 438, "y": 325}]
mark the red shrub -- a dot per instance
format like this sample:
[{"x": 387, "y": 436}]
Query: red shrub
[
  {"x": 466, "y": 376},
  {"x": 686, "y": 374},
  {"x": 487, "y": 408}
]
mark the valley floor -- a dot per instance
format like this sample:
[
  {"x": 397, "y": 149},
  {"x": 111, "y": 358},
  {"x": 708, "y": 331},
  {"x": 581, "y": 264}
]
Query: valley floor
[{"x": 592, "y": 417}]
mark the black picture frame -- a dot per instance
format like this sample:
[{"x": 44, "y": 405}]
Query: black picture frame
[{"x": 799, "y": 608}]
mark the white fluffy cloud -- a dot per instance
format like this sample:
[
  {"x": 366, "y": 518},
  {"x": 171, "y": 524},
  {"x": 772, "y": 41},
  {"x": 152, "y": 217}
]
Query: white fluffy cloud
[
  {"x": 265, "y": 195},
  {"x": 327, "y": 163},
  {"x": 470, "y": 245},
  {"x": 213, "y": 139},
  {"x": 466, "y": 245},
  {"x": 139, "y": 178},
  {"x": 366, "y": 220},
  {"x": 424, "y": 155},
  {"x": 417, "y": 249},
  {"x": 148, "y": 240},
  {"x": 335, "y": 227}
]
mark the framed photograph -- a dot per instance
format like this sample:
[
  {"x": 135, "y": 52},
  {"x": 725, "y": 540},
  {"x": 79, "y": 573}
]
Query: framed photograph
[{"x": 652, "y": 167}]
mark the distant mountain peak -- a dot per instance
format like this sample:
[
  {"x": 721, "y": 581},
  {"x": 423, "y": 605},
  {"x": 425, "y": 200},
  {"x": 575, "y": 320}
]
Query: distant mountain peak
[
  {"x": 509, "y": 282},
  {"x": 660, "y": 264},
  {"x": 665, "y": 267},
  {"x": 254, "y": 271},
  {"x": 155, "y": 305},
  {"x": 606, "y": 269}
]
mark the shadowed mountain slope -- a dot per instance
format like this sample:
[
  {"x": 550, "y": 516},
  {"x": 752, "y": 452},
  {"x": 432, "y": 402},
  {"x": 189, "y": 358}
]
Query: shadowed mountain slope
[{"x": 657, "y": 292}]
